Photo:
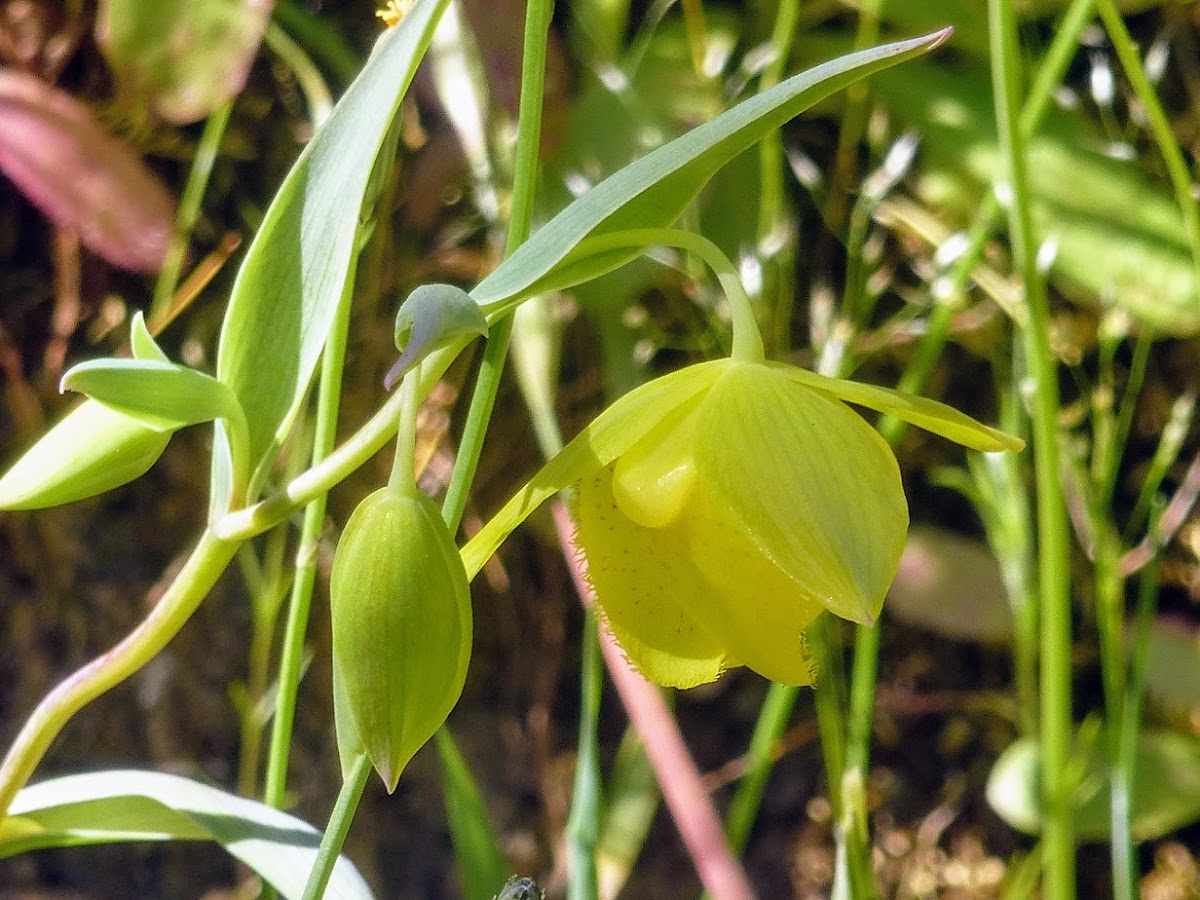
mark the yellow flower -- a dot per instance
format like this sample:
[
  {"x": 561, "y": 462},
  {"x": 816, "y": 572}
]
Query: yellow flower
[
  {"x": 723, "y": 507},
  {"x": 394, "y": 11}
]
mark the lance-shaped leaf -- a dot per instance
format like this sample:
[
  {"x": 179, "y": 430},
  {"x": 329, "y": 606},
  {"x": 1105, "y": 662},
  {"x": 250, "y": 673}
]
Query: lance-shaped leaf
[
  {"x": 181, "y": 59},
  {"x": 161, "y": 395},
  {"x": 141, "y": 341},
  {"x": 654, "y": 190},
  {"x": 93, "y": 449},
  {"x": 119, "y": 806},
  {"x": 164, "y": 397},
  {"x": 292, "y": 279},
  {"x": 80, "y": 176}
]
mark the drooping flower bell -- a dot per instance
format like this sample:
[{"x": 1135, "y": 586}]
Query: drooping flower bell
[{"x": 723, "y": 507}]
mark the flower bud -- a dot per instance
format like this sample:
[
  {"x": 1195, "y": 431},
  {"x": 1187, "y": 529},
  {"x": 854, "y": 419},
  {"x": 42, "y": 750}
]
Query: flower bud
[
  {"x": 401, "y": 612},
  {"x": 92, "y": 450}
]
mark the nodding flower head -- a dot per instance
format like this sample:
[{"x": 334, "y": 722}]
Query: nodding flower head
[{"x": 722, "y": 508}]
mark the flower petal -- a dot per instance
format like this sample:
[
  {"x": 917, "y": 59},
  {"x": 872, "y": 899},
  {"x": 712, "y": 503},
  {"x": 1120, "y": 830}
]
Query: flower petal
[
  {"x": 642, "y": 576},
  {"x": 611, "y": 433},
  {"x": 808, "y": 482},
  {"x": 757, "y": 610},
  {"x": 653, "y": 480},
  {"x": 920, "y": 411}
]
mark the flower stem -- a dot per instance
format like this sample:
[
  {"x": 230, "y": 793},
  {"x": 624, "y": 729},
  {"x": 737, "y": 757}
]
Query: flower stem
[
  {"x": 337, "y": 829},
  {"x": 404, "y": 474},
  {"x": 1053, "y": 570},
  {"x": 1160, "y": 124},
  {"x": 205, "y": 565},
  {"x": 1124, "y": 769},
  {"x": 354, "y": 452},
  {"x": 538, "y": 14},
  {"x": 189, "y": 210},
  {"x": 583, "y": 825},
  {"x": 747, "y": 339},
  {"x": 300, "y": 602},
  {"x": 529, "y": 131},
  {"x": 772, "y": 720}
]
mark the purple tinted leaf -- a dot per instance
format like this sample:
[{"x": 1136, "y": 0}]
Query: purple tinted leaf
[{"x": 80, "y": 176}]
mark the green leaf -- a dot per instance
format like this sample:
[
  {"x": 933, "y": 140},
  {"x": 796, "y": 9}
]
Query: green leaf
[
  {"x": 1166, "y": 793},
  {"x": 480, "y": 859},
  {"x": 289, "y": 286},
  {"x": 653, "y": 191},
  {"x": 141, "y": 342},
  {"x": 182, "y": 60},
  {"x": 93, "y": 449},
  {"x": 122, "y": 806},
  {"x": 1173, "y": 668},
  {"x": 631, "y": 802},
  {"x": 161, "y": 395},
  {"x": 930, "y": 415}
]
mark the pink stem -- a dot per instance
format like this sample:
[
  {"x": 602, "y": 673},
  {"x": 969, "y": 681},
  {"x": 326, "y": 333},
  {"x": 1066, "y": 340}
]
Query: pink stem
[{"x": 688, "y": 801}]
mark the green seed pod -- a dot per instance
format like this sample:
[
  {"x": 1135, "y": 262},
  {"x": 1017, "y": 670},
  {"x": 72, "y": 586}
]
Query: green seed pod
[{"x": 401, "y": 611}]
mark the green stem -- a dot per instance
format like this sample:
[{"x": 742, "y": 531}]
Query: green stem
[
  {"x": 583, "y": 825},
  {"x": 189, "y": 210},
  {"x": 1110, "y": 622},
  {"x": 1124, "y": 772},
  {"x": 335, "y": 468},
  {"x": 776, "y": 237},
  {"x": 770, "y": 155},
  {"x": 1160, "y": 124},
  {"x": 914, "y": 379},
  {"x": 205, "y": 565},
  {"x": 266, "y": 601},
  {"x": 529, "y": 126},
  {"x": 1125, "y": 411},
  {"x": 291, "y": 660},
  {"x": 1053, "y": 550},
  {"x": 529, "y": 130},
  {"x": 404, "y": 474},
  {"x": 854, "y": 117},
  {"x": 337, "y": 829},
  {"x": 747, "y": 340},
  {"x": 830, "y": 700},
  {"x": 772, "y": 721},
  {"x": 859, "y": 725},
  {"x": 322, "y": 38},
  {"x": 316, "y": 92}
]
